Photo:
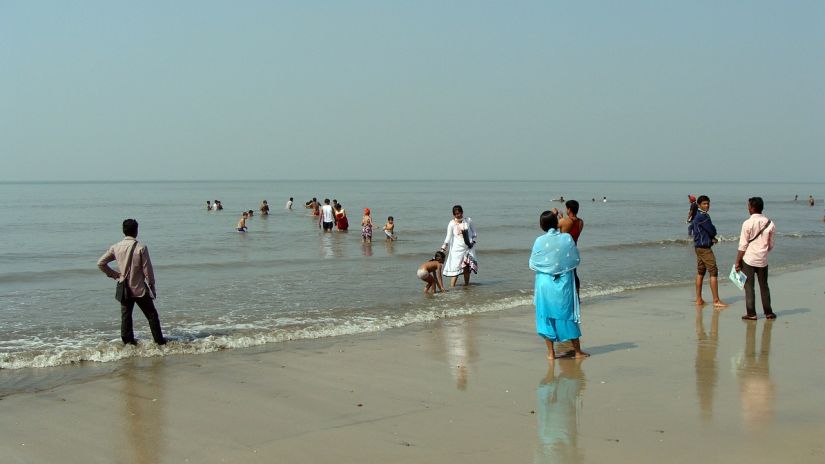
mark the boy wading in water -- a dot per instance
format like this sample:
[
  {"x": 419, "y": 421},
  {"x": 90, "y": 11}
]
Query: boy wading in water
[{"x": 430, "y": 272}]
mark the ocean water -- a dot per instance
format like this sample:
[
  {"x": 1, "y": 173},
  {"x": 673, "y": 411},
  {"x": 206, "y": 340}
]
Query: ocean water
[{"x": 286, "y": 280}]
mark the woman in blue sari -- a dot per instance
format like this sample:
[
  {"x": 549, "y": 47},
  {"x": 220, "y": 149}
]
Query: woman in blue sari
[{"x": 554, "y": 258}]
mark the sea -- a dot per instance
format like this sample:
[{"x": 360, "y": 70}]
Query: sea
[{"x": 285, "y": 279}]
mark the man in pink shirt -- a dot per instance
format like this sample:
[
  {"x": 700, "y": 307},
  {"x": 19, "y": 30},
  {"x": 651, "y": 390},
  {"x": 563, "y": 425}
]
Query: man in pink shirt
[
  {"x": 139, "y": 278},
  {"x": 755, "y": 241}
]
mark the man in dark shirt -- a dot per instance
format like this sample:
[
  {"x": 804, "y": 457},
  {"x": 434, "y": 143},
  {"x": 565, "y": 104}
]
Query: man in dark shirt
[{"x": 704, "y": 237}]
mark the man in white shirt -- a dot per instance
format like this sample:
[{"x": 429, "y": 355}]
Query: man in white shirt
[
  {"x": 327, "y": 216},
  {"x": 755, "y": 241}
]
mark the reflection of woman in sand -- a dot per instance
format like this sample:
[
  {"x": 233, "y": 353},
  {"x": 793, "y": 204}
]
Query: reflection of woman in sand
[
  {"x": 757, "y": 391},
  {"x": 559, "y": 403},
  {"x": 459, "y": 341},
  {"x": 706, "y": 370}
]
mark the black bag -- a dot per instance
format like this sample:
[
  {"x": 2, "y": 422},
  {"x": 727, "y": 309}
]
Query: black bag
[{"x": 122, "y": 286}]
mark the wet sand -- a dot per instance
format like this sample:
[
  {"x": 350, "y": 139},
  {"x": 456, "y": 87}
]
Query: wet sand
[{"x": 666, "y": 383}]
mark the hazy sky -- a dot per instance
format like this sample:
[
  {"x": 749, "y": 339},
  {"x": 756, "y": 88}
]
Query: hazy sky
[{"x": 610, "y": 90}]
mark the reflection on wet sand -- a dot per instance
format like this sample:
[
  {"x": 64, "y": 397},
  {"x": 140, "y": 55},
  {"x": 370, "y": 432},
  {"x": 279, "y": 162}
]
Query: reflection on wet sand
[
  {"x": 366, "y": 248},
  {"x": 143, "y": 411},
  {"x": 559, "y": 403},
  {"x": 758, "y": 392},
  {"x": 459, "y": 343},
  {"x": 707, "y": 373}
]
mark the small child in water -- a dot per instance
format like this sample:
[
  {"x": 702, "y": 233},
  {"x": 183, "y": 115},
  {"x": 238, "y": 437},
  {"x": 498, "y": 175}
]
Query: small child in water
[
  {"x": 242, "y": 222},
  {"x": 389, "y": 227},
  {"x": 366, "y": 226},
  {"x": 430, "y": 272}
]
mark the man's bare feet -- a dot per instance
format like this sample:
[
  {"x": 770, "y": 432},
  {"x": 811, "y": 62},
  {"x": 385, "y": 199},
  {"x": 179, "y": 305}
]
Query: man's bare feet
[
  {"x": 581, "y": 355},
  {"x": 701, "y": 302},
  {"x": 720, "y": 304}
]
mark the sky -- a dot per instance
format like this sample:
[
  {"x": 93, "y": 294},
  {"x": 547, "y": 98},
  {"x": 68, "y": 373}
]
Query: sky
[{"x": 584, "y": 90}]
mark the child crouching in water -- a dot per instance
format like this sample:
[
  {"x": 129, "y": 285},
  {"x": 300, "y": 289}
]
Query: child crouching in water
[{"x": 430, "y": 272}]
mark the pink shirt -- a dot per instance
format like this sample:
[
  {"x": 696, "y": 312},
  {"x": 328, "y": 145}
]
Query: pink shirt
[
  {"x": 141, "y": 272},
  {"x": 756, "y": 253}
]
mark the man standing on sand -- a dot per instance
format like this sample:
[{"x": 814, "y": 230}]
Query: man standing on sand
[
  {"x": 755, "y": 241},
  {"x": 135, "y": 266},
  {"x": 704, "y": 237}
]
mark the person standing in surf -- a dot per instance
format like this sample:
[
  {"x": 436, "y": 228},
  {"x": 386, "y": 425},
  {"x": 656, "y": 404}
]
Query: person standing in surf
[
  {"x": 460, "y": 241},
  {"x": 135, "y": 268}
]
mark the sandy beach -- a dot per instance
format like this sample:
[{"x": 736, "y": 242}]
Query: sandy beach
[{"x": 666, "y": 382}]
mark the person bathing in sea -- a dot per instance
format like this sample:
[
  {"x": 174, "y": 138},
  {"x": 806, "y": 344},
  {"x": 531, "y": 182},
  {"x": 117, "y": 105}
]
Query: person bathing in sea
[
  {"x": 694, "y": 207},
  {"x": 430, "y": 272},
  {"x": 242, "y": 222},
  {"x": 389, "y": 228},
  {"x": 366, "y": 226}
]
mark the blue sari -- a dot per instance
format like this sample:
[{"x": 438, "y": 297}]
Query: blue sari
[{"x": 554, "y": 257}]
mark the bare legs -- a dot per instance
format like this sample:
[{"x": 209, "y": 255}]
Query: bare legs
[
  {"x": 714, "y": 290},
  {"x": 576, "y": 352},
  {"x": 454, "y": 279}
]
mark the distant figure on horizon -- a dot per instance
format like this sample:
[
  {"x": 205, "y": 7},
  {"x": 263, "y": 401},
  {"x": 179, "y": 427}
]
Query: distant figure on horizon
[
  {"x": 218, "y": 205},
  {"x": 704, "y": 237},
  {"x": 796, "y": 198},
  {"x": 264, "y": 208},
  {"x": 604, "y": 199},
  {"x": 135, "y": 269},
  {"x": 289, "y": 204},
  {"x": 208, "y": 205},
  {"x": 430, "y": 272},
  {"x": 755, "y": 242},
  {"x": 554, "y": 257},
  {"x": 811, "y": 200}
]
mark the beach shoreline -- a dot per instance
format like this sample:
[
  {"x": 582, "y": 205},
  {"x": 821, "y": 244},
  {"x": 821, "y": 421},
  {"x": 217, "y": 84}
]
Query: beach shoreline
[{"x": 663, "y": 377}]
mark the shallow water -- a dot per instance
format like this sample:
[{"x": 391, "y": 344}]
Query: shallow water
[{"x": 286, "y": 280}]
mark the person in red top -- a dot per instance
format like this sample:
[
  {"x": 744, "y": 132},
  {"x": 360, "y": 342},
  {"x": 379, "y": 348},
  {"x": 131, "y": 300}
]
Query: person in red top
[
  {"x": 755, "y": 242},
  {"x": 573, "y": 225}
]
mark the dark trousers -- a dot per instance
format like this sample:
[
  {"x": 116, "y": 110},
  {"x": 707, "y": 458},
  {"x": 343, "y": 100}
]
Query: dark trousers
[
  {"x": 146, "y": 305},
  {"x": 764, "y": 292}
]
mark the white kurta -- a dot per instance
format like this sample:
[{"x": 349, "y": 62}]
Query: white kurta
[{"x": 458, "y": 250}]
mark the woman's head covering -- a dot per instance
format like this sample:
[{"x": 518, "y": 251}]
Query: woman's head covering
[{"x": 366, "y": 211}]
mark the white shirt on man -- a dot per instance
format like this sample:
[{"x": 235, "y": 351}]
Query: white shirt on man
[{"x": 327, "y": 214}]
